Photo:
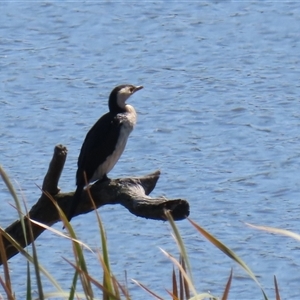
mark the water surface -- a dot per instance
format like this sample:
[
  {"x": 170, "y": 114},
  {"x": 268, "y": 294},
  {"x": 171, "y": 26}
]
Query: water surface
[{"x": 219, "y": 116}]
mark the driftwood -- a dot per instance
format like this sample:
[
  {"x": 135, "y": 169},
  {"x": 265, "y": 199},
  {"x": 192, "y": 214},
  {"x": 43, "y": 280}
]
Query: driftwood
[{"x": 132, "y": 193}]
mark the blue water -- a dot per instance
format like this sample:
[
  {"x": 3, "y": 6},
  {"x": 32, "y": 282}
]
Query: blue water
[{"x": 219, "y": 116}]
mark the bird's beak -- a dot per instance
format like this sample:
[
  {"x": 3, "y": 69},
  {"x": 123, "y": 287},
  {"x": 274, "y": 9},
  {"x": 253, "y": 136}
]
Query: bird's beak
[{"x": 137, "y": 88}]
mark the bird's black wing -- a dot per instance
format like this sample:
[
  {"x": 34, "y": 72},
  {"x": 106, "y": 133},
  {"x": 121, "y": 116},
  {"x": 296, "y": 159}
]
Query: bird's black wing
[{"x": 99, "y": 143}]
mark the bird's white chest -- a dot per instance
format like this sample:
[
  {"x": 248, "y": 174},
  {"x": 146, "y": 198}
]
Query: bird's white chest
[{"x": 128, "y": 122}]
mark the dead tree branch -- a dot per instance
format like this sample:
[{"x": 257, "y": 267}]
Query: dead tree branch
[{"x": 132, "y": 193}]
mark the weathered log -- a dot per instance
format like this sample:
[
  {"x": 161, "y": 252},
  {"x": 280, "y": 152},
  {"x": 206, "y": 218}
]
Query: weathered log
[{"x": 132, "y": 193}]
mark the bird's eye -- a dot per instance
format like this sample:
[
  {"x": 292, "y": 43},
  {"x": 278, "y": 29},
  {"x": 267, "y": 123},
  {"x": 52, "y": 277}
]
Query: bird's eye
[{"x": 131, "y": 89}]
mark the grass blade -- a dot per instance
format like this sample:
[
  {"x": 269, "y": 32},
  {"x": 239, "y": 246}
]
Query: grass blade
[
  {"x": 6, "y": 289},
  {"x": 35, "y": 261},
  {"x": 180, "y": 243},
  {"x": 179, "y": 266},
  {"x": 107, "y": 277},
  {"x": 185, "y": 284},
  {"x": 181, "y": 289},
  {"x": 77, "y": 250},
  {"x": 30, "y": 258},
  {"x": 172, "y": 295},
  {"x": 276, "y": 231},
  {"x": 13, "y": 193},
  {"x": 174, "y": 285},
  {"x": 115, "y": 287},
  {"x": 276, "y": 289},
  {"x": 147, "y": 290},
  {"x": 80, "y": 261},
  {"x": 228, "y": 252},
  {"x": 5, "y": 269},
  {"x": 108, "y": 290},
  {"x": 91, "y": 280},
  {"x": 107, "y": 282},
  {"x": 227, "y": 288},
  {"x": 73, "y": 286},
  {"x": 28, "y": 290},
  {"x": 59, "y": 233}
]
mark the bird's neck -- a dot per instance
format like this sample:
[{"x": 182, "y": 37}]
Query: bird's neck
[
  {"x": 131, "y": 114},
  {"x": 125, "y": 109},
  {"x": 114, "y": 107},
  {"x": 129, "y": 109}
]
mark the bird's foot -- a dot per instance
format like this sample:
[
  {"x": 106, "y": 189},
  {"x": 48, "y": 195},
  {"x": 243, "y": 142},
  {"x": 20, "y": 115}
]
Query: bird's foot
[{"x": 104, "y": 178}]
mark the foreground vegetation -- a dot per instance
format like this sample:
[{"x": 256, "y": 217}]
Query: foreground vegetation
[{"x": 111, "y": 289}]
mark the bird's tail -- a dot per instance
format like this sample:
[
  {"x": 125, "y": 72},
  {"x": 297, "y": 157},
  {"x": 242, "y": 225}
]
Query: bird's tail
[{"x": 76, "y": 200}]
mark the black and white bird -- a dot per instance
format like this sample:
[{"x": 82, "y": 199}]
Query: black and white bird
[{"x": 105, "y": 142}]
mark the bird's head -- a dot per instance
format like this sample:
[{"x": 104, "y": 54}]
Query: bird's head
[{"x": 119, "y": 95}]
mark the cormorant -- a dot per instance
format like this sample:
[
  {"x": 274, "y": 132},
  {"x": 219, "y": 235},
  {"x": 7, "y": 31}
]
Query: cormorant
[{"x": 105, "y": 142}]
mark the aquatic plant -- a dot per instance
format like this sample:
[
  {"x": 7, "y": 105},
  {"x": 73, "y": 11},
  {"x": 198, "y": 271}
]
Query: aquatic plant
[{"x": 181, "y": 279}]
